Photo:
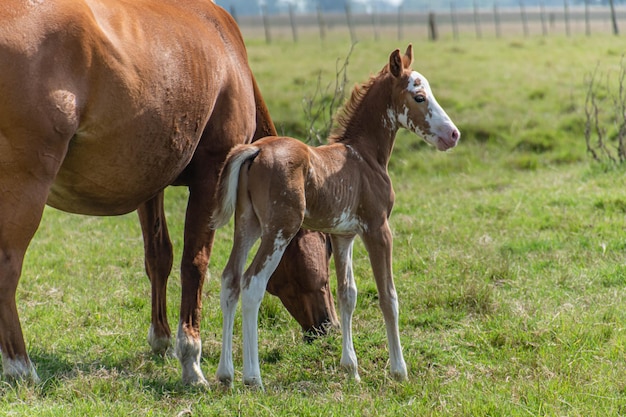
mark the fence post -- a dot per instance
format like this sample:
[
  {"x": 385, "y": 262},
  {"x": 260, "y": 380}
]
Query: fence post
[
  {"x": 294, "y": 30},
  {"x": 349, "y": 20},
  {"x": 544, "y": 24},
  {"x": 453, "y": 19},
  {"x": 566, "y": 13},
  {"x": 320, "y": 21},
  {"x": 266, "y": 25},
  {"x": 496, "y": 19},
  {"x": 479, "y": 33},
  {"x": 375, "y": 24},
  {"x": 432, "y": 27},
  {"x": 233, "y": 13},
  {"x": 614, "y": 18},
  {"x": 477, "y": 21},
  {"x": 524, "y": 18},
  {"x": 587, "y": 19},
  {"x": 400, "y": 22}
]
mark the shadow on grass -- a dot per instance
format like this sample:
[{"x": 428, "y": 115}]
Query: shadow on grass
[{"x": 145, "y": 371}]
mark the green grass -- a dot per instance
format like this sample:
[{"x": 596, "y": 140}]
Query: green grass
[{"x": 509, "y": 261}]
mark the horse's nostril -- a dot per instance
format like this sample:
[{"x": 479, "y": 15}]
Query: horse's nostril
[{"x": 455, "y": 135}]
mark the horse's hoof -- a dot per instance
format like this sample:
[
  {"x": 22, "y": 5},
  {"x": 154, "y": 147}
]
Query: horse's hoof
[
  {"x": 193, "y": 376},
  {"x": 16, "y": 370},
  {"x": 195, "y": 381},
  {"x": 160, "y": 345}
]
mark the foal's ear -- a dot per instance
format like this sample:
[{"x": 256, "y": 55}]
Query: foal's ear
[
  {"x": 395, "y": 63},
  {"x": 407, "y": 59}
]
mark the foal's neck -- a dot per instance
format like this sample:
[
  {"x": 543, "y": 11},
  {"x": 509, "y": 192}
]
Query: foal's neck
[{"x": 371, "y": 128}]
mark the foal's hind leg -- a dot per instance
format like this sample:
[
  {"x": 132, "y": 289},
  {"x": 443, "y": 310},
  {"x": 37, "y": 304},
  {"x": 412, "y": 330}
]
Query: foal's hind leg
[
  {"x": 158, "y": 260},
  {"x": 379, "y": 247},
  {"x": 247, "y": 233},
  {"x": 271, "y": 249},
  {"x": 346, "y": 294}
]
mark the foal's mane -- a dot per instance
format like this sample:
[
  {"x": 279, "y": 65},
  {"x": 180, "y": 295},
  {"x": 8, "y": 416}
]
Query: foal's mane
[{"x": 346, "y": 113}]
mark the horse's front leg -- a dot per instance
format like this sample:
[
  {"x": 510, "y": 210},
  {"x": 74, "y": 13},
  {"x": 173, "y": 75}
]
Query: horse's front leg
[
  {"x": 28, "y": 165},
  {"x": 158, "y": 261},
  {"x": 347, "y": 295},
  {"x": 379, "y": 247},
  {"x": 15, "y": 361}
]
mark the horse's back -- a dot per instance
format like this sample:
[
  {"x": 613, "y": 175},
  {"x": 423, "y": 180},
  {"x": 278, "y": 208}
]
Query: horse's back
[{"x": 114, "y": 94}]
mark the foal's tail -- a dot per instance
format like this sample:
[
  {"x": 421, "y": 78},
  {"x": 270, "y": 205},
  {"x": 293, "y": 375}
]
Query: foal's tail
[{"x": 228, "y": 182}]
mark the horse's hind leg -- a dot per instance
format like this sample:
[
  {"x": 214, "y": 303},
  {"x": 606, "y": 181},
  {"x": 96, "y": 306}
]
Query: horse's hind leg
[
  {"x": 158, "y": 260},
  {"x": 195, "y": 261},
  {"x": 347, "y": 295}
]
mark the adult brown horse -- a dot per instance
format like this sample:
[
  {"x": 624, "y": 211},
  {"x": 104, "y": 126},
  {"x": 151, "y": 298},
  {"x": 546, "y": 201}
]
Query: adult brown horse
[{"x": 103, "y": 104}]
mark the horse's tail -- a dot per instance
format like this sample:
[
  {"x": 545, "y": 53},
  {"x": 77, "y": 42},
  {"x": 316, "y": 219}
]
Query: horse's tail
[
  {"x": 264, "y": 124},
  {"x": 228, "y": 183}
]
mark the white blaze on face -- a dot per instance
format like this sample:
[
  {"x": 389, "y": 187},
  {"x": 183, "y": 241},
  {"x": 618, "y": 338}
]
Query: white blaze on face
[{"x": 436, "y": 122}]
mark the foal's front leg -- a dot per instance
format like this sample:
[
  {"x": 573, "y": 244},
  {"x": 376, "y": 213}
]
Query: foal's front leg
[
  {"x": 346, "y": 294},
  {"x": 379, "y": 247}
]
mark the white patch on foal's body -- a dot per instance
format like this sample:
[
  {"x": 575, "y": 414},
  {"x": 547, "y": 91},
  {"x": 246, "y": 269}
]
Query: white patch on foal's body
[{"x": 347, "y": 222}]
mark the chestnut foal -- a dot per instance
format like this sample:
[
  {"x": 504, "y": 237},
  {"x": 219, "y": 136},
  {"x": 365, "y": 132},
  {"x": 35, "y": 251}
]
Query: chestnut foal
[{"x": 278, "y": 184}]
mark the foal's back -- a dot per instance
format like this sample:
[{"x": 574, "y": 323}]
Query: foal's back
[{"x": 325, "y": 186}]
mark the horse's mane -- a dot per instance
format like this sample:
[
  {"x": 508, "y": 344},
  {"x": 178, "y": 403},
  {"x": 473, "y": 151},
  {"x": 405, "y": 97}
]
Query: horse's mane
[{"x": 343, "y": 117}]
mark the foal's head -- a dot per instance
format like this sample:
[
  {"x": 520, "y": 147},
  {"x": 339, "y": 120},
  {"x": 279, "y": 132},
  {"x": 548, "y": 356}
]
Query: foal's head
[{"x": 414, "y": 106}]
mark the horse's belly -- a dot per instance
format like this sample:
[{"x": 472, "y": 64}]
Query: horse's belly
[{"x": 117, "y": 178}]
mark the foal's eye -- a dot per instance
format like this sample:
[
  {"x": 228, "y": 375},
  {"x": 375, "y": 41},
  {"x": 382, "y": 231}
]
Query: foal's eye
[{"x": 419, "y": 98}]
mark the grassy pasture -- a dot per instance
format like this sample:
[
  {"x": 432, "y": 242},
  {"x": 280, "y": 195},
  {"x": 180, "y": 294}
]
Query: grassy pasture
[{"x": 509, "y": 261}]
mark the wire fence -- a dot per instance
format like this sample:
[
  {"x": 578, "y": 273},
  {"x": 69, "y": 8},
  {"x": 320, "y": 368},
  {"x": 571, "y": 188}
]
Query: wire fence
[{"x": 478, "y": 22}]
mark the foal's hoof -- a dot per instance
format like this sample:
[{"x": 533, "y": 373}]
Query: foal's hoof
[
  {"x": 352, "y": 371},
  {"x": 254, "y": 383},
  {"x": 226, "y": 382},
  {"x": 399, "y": 376},
  {"x": 353, "y": 375}
]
